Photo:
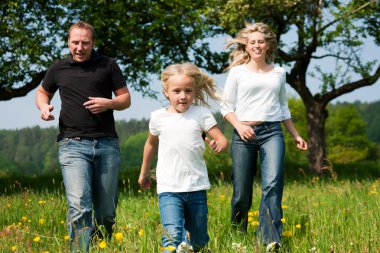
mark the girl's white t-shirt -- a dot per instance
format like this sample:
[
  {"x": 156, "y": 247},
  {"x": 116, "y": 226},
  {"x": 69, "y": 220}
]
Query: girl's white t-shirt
[
  {"x": 180, "y": 165},
  {"x": 256, "y": 96}
]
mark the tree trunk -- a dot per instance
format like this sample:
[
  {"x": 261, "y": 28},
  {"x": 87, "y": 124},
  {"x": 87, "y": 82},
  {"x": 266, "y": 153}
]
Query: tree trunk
[{"x": 316, "y": 118}]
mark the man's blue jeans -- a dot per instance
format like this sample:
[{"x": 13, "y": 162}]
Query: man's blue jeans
[
  {"x": 269, "y": 145},
  {"x": 90, "y": 168},
  {"x": 181, "y": 212}
]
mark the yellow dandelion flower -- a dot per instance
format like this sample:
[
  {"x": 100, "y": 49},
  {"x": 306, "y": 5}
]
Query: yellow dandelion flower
[
  {"x": 9, "y": 205},
  {"x": 222, "y": 197},
  {"x": 102, "y": 244},
  {"x": 255, "y": 223},
  {"x": 29, "y": 221},
  {"x": 250, "y": 218},
  {"x": 250, "y": 214},
  {"x": 283, "y": 220},
  {"x": 41, "y": 221},
  {"x": 41, "y": 202},
  {"x": 36, "y": 239},
  {"x": 139, "y": 191},
  {"x": 66, "y": 237},
  {"x": 287, "y": 233},
  {"x": 19, "y": 224},
  {"x": 284, "y": 206},
  {"x": 23, "y": 218},
  {"x": 14, "y": 248},
  {"x": 373, "y": 192},
  {"x": 62, "y": 222},
  {"x": 256, "y": 213},
  {"x": 45, "y": 252},
  {"x": 141, "y": 232},
  {"x": 298, "y": 226},
  {"x": 118, "y": 236}
]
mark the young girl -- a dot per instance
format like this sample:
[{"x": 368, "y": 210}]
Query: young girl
[
  {"x": 256, "y": 105},
  {"x": 176, "y": 132}
]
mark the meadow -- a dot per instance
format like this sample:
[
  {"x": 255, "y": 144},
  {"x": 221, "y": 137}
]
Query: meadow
[{"x": 321, "y": 214}]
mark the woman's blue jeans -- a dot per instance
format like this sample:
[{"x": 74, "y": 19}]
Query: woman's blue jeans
[
  {"x": 183, "y": 212},
  {"x": 269, "y": 145},
  {"x": 90, "y": 168}
]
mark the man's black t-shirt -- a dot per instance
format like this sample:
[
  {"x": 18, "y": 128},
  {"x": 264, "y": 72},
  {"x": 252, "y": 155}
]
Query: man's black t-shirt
[{"x": 76, "y": 82}]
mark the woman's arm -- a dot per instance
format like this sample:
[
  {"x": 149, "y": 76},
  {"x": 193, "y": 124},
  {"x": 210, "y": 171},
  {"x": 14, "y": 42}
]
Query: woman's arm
[{"x": 300, "y": 143}]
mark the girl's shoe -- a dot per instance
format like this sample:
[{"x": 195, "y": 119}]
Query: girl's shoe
[{"x": 273, "y": 247}]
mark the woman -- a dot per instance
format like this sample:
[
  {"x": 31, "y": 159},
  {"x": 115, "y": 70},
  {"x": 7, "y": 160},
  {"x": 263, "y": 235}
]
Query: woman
[{"x": 255, "y": 105}]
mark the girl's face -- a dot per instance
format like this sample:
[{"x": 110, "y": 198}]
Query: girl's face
[
  {"x": 257, "y": 46},
  {"x": 180, "y": 92}
]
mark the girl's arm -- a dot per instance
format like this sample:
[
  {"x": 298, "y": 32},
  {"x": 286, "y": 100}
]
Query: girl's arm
[
  {"x": 301, "y": 143},
  {"x": 218, "y": 143},
  {"x": 150, "y": 149}
]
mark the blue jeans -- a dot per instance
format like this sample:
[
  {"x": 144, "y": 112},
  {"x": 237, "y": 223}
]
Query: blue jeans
[
  {"x": 181, "y": 212},
  {"x": 90, "y": 168},
  {"x": 269, "y": 145}
]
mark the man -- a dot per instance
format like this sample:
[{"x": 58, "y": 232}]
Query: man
[{"x": 88, "y": 143}]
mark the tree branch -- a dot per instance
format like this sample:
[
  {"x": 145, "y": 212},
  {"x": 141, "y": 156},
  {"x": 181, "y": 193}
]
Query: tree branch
[
  {"x": 347, "y": 88},
  {"x": 344, "y": 16},
  {"x": 7, "y": 93}
]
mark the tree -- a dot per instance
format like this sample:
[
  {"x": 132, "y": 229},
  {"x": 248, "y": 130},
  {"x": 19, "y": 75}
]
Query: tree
[{"x": 145, "y": 36}]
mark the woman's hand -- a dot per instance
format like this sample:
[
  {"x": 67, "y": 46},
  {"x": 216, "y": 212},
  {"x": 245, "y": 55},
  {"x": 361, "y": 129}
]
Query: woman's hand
[{"x": 246, "y": 132}]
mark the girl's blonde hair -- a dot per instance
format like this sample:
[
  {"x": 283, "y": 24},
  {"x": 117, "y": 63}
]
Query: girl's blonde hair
[
  {"x": 240, "y": 56},
  {"x": 204, "y": 85}
]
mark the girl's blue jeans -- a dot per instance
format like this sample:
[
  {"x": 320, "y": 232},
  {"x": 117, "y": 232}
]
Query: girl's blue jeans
[
  {"x": 269, "y": 146},
  {"x": 90, "y": 168},
  {"x": 183, "y": 212}
]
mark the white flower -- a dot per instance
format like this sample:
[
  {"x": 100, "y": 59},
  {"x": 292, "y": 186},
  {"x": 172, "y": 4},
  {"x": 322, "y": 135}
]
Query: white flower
[{"x": 184, "y": 247}]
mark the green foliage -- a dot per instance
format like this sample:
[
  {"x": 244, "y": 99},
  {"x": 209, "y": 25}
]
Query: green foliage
[
  {"x": 132, "y": 150},
  {"x": 346, "y": 135}
]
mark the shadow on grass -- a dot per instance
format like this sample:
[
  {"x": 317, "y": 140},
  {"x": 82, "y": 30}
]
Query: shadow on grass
[{"x": 15, "y": 184}]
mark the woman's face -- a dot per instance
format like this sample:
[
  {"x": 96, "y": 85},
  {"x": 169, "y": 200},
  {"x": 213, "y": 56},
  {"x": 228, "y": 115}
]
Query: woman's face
[{"x": 257, "y": 46}]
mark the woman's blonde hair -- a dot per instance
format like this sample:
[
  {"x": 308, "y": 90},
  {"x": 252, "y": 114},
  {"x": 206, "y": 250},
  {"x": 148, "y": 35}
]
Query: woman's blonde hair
[
  {"x": 240, "y": 56},
  {"x": 204, "y": 85}
]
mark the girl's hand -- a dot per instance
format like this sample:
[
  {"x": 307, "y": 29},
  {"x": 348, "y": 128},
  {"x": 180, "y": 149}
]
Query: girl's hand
[
  {"x": 144, "y": 181},
  {"x": 300, "y": 143},
  {"x": 214, "y": 145},
  {"x": 246, "y": 132}
]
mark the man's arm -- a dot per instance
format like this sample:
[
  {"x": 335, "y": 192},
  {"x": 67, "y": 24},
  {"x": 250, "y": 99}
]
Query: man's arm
[
  {"x": 121, "y": 101},
  {"x": 43, "y": 99}
]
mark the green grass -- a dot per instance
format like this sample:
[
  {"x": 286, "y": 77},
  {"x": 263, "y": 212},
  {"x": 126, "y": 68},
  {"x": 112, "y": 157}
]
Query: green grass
[{"x": 321, "y": 215}]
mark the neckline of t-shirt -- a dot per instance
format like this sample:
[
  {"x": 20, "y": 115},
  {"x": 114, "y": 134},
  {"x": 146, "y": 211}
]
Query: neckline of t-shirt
[
  {"x": 261, "y": 73},
  {"x": 177, "y": 113}
]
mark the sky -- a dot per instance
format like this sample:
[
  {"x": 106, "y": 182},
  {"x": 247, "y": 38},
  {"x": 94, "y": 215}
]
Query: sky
[{"x": 22, "y": 112}]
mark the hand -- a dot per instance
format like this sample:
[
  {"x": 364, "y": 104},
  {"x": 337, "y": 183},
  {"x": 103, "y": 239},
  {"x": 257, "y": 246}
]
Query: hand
[
  {"x": 97, "y": 105},
  {"x": 214, "y": 145},
  {"x": 46, "y": 113},
  {"x": 246, "y": 132},
  {"x": 144, "y": 181},
  {"x": 300, "y": 143}
]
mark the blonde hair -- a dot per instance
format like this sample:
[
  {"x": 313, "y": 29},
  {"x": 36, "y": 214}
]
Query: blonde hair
[
  {"x": 83, "y": 25},
  {"x": 204, "y": 85},
  {"x": 240, "y": 56}
]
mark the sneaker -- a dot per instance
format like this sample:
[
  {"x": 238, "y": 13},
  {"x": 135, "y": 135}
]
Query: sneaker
[
  {"x": 273, "y": 247},
  {"x": 184, "y": 248}
]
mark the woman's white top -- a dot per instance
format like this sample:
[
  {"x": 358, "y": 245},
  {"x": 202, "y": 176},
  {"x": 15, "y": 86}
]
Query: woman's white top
[
  {"x": 254, "y": 96},
  {"x": 180, "y": 165}
]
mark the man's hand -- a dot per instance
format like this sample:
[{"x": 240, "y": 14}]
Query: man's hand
[
  {"x": 97, "y": 105},
  {"x": 46, "y": 112}
]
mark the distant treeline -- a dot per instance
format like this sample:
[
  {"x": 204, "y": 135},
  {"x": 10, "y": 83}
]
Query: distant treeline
[{"x": 352, "y": 134}]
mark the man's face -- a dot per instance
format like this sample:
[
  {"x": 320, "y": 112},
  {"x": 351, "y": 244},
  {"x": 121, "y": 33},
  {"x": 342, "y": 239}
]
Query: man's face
[{"x": 80, "y": 44}]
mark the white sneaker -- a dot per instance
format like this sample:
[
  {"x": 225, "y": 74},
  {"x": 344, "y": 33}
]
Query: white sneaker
[
  {"x": 273, "y": 247},
  {"x": 184, "y": 248}
]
